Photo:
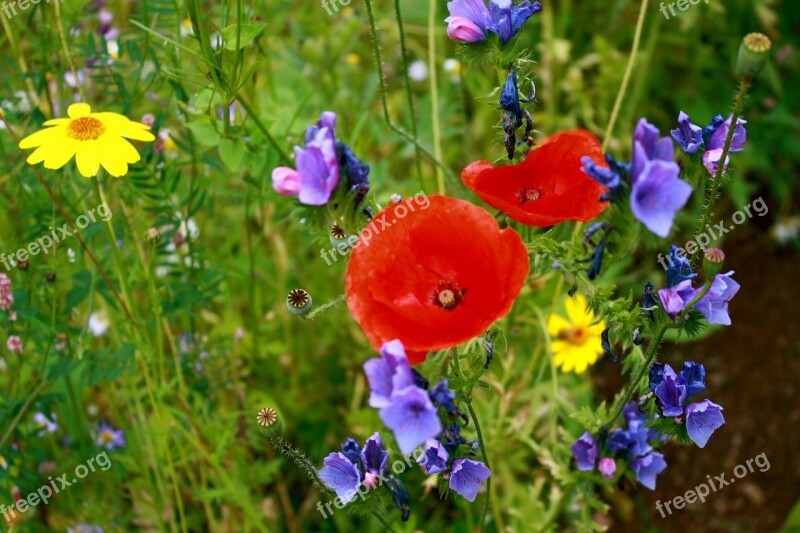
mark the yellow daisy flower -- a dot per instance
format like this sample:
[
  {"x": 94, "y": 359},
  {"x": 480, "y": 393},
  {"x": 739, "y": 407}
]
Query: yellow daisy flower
[
  {"x": 93, "y": 138},
  {"x": 576, "y": 339}
]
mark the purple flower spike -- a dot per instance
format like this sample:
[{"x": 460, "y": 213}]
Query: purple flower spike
[
  {"x": 689, "y": 136},
  {"x": 388, "y": 373},
  {"x": 647, "y": 468},
  {"x": 702, "y": 419},
  {"x": 373, "y": 456},
  {"x": 434, "y": 457},
  {"x": 714, "y": 305},
  {"x": 412, "y": 417},
  {"x": 341, "y": 475},
  {"x": 658, "y": 194},
  {"x": 608, "y": 467},
  {"x": 466, "y": 477},
  {"x": 671, "y": 393},
  {"x": 585, "y": 452},
  {"x": 470, "y": 19}
]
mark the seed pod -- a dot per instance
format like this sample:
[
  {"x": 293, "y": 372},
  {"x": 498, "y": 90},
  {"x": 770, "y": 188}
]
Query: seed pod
[
  {"x": 753, "y": 54},
  {"x": 299, "y": 302}
]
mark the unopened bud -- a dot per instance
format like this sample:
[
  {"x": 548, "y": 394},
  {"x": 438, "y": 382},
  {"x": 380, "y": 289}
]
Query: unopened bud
[
  {"x": 152, "y": 236},
  {"x": 712, "y": 262},
  {"x": 753, "y": 54}
]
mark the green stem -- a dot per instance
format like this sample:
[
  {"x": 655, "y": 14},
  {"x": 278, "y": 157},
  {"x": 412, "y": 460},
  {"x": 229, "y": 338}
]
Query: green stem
[
  {"x": 627, "y": 76},
  {"x": 744, "y": 84},
  {"x": 407, "y": 84},
  {"x": 485, "y": 461},
  {"x": 437, "y": 134},
  {"x": 270, "y": 139}
]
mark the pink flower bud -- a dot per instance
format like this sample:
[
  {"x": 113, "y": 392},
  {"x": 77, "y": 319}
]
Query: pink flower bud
[
  {"x": 286, "y": 181},
  {"x": 370, "y": 480},
  {"x": 607, "y": 467},
  {"x": 464, "y": 30}
]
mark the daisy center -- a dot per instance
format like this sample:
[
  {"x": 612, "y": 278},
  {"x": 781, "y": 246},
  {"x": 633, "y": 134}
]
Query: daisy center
[
  {"x": 448, "y": 295},
  {"x": 528, "y": 195},
  {"x": 576, "y": 336},
  {"x": 85, "y": 129},
  {"x": 106, "y": 437}
]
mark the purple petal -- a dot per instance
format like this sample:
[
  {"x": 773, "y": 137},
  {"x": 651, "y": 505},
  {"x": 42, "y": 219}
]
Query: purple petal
[
  {"x": 373, "y": 456},
  {"x": 689, "y": 136},
  {"x": 341, "y": 475},
  {"x": 714, "y": 305},
  {"x": 466, "y": 477},
  {"x": 647, "y": 468},
  {"x": 434, "y": 457},
  {"x": 473, "y": 10},
  {"x": 703, "y": 419},
  {"x": 412, "y": 417},
  {"x": 584, "y": 450},
  {"x": 717, "y": 139},
  {"x": 658, "y": 194}
]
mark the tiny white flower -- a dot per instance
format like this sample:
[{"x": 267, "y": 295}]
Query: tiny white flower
[
  {"x": 418, "y": 71},
  {"x": 99, "y": 323}
]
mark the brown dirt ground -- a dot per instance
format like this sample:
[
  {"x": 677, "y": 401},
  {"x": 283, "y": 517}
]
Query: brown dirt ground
[{"x": 752, "y": 371}]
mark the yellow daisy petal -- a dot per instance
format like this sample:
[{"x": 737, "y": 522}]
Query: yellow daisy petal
[
  {"x": 576, "y": 309},
  {"x": 110, "y": 157},
  {"x": 88, "y": 158},
  {"x": 42, "y": 137},
  {"x": 79, "y": 110},
  {"x": 39, "y": 155},
  {"x": 130, "y": 131},
  {"x": 116, "y": 119},
  {"x": 57, "y": 122},
  {"x": 58, "y": 154},
  {"x": 122, "y": 148},
  {"x": 556, "y": 324}
]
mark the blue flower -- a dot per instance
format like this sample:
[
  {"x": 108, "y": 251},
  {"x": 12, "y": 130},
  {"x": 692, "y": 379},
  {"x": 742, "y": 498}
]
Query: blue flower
[
  {"x": 509, "y": 97},
  {"x": 607, "y": 177},
  {"x": 680, "y": 267},
  {"x": 656, "y": 375},
  {"x": 442, "y": 395},
  {"x": 388, "y": 373},
  {"x": 584, "y": 450},
  {"x": 502, "y": 18},
  {"x": 702, "y": 419},
  {"x": 675, "y": 299},
  {"x": 434, "y": 457},
  {"x": 716, "y": 122},
  {"x": 714, "y": 305},
  {"x": 351, "y": 450},
  {"x": 620, "y": 440},
  {"x": 656, "y": 191},
  {"x": 694, "y": 376},
  {"x": 689, "y": 136},
  {"x": 412, "y": 417},
  {"x": 671, "y": 393},
  {"x": 341, "y": 475},
  {"x": 716, "y": 143},
  {"x": 452, "y": 437},
  {"x": 317, "y": 173},
  {"x": 466, "y": 477},
  {"x": 356, "y": 171},
  {"x": 373, "y": 456},
  {"x": 647, "y": 468}
]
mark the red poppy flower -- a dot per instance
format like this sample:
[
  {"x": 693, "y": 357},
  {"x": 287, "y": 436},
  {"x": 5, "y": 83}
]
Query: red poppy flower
[
  {"x": 433, "y": 275},
  {"x": 547, "y": 188}
]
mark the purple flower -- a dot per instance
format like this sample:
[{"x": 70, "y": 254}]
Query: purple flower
[
  {"x": 109, "y": 437},
  {"x": 702, "y": 419},
  {"x": 717, "y": 133},
  {"x": 412, "y": 417},
  {"x": 373, "y": 456},
  {"x": 341, "y": 475},
  {"x": 466, "y": 477},
  {"x": 317, "y": 173},
  {"x": 607, "y": 466},
  {"x": 656, "y": 375},
  {"x": 585, "y": 452},
  {"x": 671, "y": 393},
  {"x": 694, "y": 376},
  {"x": 434, "y": 457},
  {"x": 647, "y": 468},
  {"x": 674, "y": 299},
  {"x": 656, "y": 191},
  {"x": 689, "y": 136},
  {"x": 388, "y": 373},
  {"x": 606, "y": 177},
  {"x": 45, "y": 424},
  {"x": 658, "y": 194},
  {"x": 470, "y": 19},
  {"x": 620, "y": 440},
  {"x": 464, "y": 30},
  {"x": 714, "y": 305}
]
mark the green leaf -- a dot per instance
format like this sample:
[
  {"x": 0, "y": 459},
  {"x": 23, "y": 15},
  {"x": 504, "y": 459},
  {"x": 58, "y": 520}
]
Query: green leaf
[
  {"x": 204, "y": 133},
  {"x": 232, "y": 152},
  {"x": 248, "y": 32}
]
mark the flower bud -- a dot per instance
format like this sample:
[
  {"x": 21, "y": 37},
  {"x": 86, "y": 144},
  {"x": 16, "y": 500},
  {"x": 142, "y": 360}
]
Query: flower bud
[
  {"x": 268, "y": 422},
  {"x": 753, "y": 54},
  {"x": 712, "y": 261},
  {"x": 299, "y": 302},
  {"x": 464, "y": 30},
  {"x": 286, "y": 181}
]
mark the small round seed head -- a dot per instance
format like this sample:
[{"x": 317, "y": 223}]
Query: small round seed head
[
  {"x": 269, "y": 423},
  {"x": 299, "y": 302},
  {"x": 753, "y": 54}
]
